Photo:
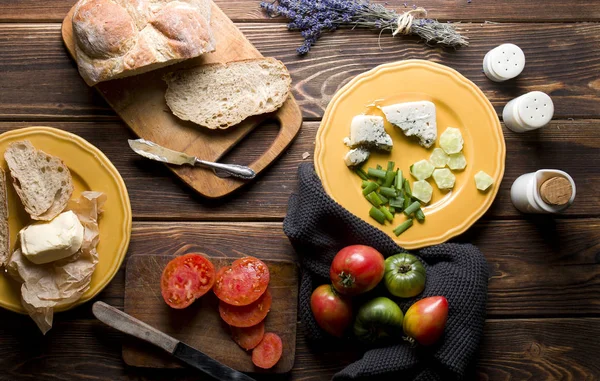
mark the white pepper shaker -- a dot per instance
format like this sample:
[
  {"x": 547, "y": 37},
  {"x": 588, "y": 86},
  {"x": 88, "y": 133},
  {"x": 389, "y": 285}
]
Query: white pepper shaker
[
  {"x": 504, "y": 62},
  {"x": 528, "y": 112},
  {"x": 543, "y": 191}
]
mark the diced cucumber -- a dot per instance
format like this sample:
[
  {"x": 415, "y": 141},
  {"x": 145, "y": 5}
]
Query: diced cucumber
[
  {"x": 451, "y": 140},
  {"x": 422, "y": 170},
  {"x": 422, "y": 191},
  {"x": 439, "y": 158},
  {"x": 483, "y": 181},
  {"x": 457, "y": 161},
  {"x": 444, "y": 179}
]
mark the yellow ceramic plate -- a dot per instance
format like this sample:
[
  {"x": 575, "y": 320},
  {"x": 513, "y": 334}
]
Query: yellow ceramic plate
[
  {"x": 459, "y": 103},
  {"x": 91, "y": 170}
]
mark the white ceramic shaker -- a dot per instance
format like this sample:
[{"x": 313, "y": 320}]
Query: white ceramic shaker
[
  {"x": 504, "y": 62},
  {"x": 528, "y": 112},
  {"x": 543, "y": 191}
]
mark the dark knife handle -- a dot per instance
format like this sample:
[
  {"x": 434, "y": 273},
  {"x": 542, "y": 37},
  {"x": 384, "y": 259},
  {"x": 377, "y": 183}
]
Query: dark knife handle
[
  {"x": 120, "y": 321},
  {"x": 208, "y": 365}
]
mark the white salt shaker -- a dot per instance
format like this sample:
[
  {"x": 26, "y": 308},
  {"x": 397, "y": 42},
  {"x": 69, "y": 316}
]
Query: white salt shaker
[
  {"x": 543, "y": 191},
  {"x": 504, "y": 62},
  {"x": 528, "y": 112}
]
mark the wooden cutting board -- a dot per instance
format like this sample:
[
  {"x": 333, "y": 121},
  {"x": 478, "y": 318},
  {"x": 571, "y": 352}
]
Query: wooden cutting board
[
  {"x": 200, "y": 324},
  {"x": 140, "y": 102}
]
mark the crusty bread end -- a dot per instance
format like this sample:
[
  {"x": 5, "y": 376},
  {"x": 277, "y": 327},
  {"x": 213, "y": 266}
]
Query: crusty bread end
[
  {"x": 222, "y": 95},
  {"x": 43, "y": 182}
]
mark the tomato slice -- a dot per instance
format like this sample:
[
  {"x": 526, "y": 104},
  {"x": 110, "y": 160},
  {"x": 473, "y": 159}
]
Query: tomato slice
[
  {"x": 248, "y": 337},
  {"x": 246, "y": 316},
  {"x": 243, "y": 282},
  {"x": 185, "y": 279},
  {"x": 268, "y": 352}
]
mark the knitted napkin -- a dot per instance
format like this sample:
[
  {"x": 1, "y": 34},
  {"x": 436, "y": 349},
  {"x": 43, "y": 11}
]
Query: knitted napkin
[{"x": 318, "y": 228}]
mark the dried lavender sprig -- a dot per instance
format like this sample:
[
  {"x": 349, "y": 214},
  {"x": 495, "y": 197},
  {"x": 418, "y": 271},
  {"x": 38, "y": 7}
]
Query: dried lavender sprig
[{"x": 312, "y": 17}]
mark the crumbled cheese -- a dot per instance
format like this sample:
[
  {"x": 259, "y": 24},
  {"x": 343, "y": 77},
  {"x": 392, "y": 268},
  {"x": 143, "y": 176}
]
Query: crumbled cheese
[
  {"x": 368, "y": 131},
  {"x": 414, "y": 119},
  {"x": 356, "y": 156}
]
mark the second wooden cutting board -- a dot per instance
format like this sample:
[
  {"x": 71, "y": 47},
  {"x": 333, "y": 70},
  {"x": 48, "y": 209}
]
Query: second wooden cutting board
[{"x": 200, "y": 325}]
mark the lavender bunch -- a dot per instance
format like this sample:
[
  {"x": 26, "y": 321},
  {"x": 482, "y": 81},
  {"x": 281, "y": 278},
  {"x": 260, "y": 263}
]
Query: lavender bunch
[{"x": 313, "y": 17}]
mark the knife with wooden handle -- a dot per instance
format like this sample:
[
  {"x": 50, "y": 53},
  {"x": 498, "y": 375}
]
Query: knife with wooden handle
[{"x": 128, "y": 324}]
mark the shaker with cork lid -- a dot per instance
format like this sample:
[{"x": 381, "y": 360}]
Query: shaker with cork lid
[{"x": 543, "y": 191}]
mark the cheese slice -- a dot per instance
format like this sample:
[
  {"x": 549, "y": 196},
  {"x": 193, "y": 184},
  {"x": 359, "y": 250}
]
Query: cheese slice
[
  {"x": 368, "y": 131},
  {"x": 414, "y": 119},
  {"x": 356, "y": 156}
]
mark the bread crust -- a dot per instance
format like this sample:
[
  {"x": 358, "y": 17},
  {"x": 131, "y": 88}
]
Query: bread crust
[{"x": 120, "y": 38}]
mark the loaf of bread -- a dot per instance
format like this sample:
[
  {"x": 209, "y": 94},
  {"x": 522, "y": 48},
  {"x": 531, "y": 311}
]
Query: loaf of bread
[
  {"x": 43, "y": 182},
  {"x": 222, "y": 95},
  {"x": 121, "y": 38},
  {"x": 4, "y": 233}
]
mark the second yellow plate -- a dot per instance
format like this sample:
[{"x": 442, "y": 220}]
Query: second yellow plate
[
  {"x": 459, "y": 103},
  {"x": 91, "y": 170}
]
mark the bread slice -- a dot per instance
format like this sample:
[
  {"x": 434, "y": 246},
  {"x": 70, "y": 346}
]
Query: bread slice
[
  {"x": 4, "y": 233},
  {"x": 43, "y": 182},
  {"x": 222, "y": 95}
]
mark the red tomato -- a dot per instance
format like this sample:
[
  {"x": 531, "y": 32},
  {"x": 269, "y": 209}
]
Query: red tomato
[
  {"x": 332, "y": 312},
  {"x": 185, "y": 279},
  {"x": 356, "y": 269},
  {"x": 243, "y": 282},
  {"x": 268, "y": 352},
  {"x": 426, "y": 319},
  {"x": 246, "y": 316},
  {"x": 248, "y": 337}
]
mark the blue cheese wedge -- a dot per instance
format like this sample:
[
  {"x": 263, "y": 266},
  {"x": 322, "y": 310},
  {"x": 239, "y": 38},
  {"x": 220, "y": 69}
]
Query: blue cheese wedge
[
  {"x": 356, "y": 156},
  {"x": 367, "y": 131},
  {"x": 414, "y": 119}
]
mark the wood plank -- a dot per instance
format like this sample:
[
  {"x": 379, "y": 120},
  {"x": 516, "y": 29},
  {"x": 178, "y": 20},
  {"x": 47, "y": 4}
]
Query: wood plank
[
  {"x": 534, "y": 349},
  {"x": 538, "y": 268},
  {"x": 568, "y": 145},
  {"x": 32, "y": 57},
  {"x": 462, "y": 10}
]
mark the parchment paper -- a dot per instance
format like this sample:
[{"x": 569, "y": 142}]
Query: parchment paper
[{"x": 63, "y": 282}]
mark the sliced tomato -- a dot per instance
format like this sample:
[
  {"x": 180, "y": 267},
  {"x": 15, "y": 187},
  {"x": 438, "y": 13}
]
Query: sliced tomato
[
  {"x": 185, "y": 279},
  {"x": 248, "y": 337},
  {"x": 268, "y": 352},
  {"x": 246, "y": 316},
  {"x": 243, "y": 282}
]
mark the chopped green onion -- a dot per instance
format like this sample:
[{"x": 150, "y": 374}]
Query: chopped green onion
[
  {"x": 370, "y": 188},
  {"x": 391, "y": 166},
  {"x": 412, "y": 208},
  {"x": 379, "y": 173},
  {"x": 388, "y": 192},
  {"x": 364, "y": 184},
  {"x": 374, "y": 199},
  {"x": 384, "y": 200},
  {"x": 399, "y": 180},
  {"x": 377, "y": 215},
  {"x": 389, "y": 178},
  {"x": 403, "y": 226},
  {"x": 362, "y": 174},
  {"x": 397, "y": 202},
  {"x": 386, "y": 213},
  {"x": 419, "y": 215},
  {"x": 407, "y": 190},
  {"x": 392, "y": 210},
  {"x": 379, "y": 167},
  {"x": 406, "y": 202}
]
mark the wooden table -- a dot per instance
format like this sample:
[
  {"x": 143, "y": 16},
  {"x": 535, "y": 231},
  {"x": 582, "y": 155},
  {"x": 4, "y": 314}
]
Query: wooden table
[{"x": 544, "y": 289}]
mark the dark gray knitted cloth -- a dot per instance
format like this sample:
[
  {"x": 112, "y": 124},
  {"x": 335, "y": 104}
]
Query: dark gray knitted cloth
[{"x": 318, "y": 228}]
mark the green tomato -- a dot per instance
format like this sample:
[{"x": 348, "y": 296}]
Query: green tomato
[
  {"x": 404, "y": 275},
  {"x": 378, "y": 320}
]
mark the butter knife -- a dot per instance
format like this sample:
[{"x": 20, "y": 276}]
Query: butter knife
[
  {"x": 125, "y": 323},
  {"x": 153, "y": 151}
]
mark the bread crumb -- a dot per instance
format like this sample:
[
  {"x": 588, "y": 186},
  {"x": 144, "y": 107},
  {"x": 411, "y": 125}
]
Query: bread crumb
[{"x": 305, "y": 155}]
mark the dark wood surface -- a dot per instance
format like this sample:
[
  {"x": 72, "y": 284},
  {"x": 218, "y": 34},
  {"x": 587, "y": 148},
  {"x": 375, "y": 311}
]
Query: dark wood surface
[
  {"x": 200, "y": 325},
  {"x": 544, "y": 288}
]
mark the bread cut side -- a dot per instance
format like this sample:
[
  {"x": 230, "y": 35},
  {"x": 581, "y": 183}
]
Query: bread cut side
[
  {"x": 43, "y": 182},
  {"x": 4, "y": 233},
  {"x": 222, "y": 95}
]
